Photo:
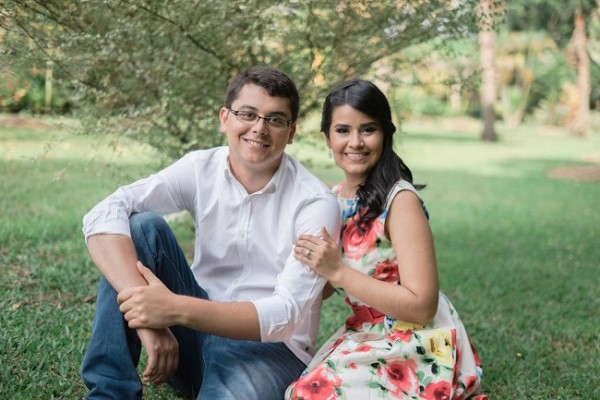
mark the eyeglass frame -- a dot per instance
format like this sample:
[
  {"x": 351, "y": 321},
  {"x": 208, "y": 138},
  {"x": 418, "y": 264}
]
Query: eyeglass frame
[{"x": 258, "y": 118}]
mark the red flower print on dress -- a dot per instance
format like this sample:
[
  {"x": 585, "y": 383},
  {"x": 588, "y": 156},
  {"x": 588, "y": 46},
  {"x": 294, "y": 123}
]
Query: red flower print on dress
[
  {"x": 363, "y": 348},
  {"x": 475, "y": 354},
  {"x": 355, "y": 244},
  {"x": 338, "y": 342},
  {"x": 353, "y": 323},
  {"x": 319, "y": 384},
  {"x": 403, "y": 336},
  {"x": 437, "y": 391},
  {"x": 459, "y": 352},
  {"x": 402, "y": 376},
  {"x": 386, "y": 271},
  {"x": 470, "y": 383}
]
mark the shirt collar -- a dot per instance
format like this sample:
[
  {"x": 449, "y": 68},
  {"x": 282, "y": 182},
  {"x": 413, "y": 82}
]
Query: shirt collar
[{"x": 270, "y": 187}]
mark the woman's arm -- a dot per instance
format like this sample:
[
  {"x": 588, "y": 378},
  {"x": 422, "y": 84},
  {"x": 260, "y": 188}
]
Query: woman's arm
[{"x": 416, "y": 299}]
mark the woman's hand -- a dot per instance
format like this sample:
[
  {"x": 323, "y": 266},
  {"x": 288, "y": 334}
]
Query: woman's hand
[
  {"x": 147, "y": 306},
  {"x": 322, "y": 255}
]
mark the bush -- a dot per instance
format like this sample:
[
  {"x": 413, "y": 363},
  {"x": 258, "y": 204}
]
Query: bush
[
  {"x": 551, "y": 72},
  {"x": 25, "y": 91},
  {"x": 415, "y": 102},
  {"x": 13, "y": 90}
]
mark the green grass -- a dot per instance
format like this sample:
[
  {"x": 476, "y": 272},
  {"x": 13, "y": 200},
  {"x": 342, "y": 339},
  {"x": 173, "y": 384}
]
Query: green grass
[{"x": 518, "y": 252}]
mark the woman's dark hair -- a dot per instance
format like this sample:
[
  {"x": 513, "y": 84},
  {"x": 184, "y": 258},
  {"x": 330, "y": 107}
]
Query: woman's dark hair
[
  {"x": 274, "y": 81},
  {"x": 367, "y": 98}
]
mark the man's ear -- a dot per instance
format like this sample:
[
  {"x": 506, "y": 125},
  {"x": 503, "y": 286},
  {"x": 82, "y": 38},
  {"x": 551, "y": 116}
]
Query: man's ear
[
  {"x": 223, "y": 118},
  {"x": 292, "y": 133}
]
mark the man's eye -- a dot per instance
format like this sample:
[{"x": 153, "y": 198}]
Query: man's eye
[
  {"x": 246, "y": 115},
  {"x": 277, "y": 121}
]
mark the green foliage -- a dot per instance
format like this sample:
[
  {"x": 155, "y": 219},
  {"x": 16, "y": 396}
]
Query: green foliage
[
  {"x": 25, "y": 90},
  {"x": 421, "y": 78},
  {"x": 158, "y": 73},
  {"x": 13, "y": 91},
  {"x": 547, "y": 91},
  {"x": 415, "y": 102},
  {"x": 554, "y": 16},
  {"x": 532, "y": 73},
  {"x": 36, "y": 97}
]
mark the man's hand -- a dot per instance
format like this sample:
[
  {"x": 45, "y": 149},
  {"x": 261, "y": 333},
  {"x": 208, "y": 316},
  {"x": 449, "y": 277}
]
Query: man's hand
[
  {"x": 163, "y": 354},
  {"x": 148, "y": 306}
]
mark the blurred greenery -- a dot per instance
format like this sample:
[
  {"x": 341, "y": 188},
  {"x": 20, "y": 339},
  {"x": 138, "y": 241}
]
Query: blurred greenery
[
  {"x": 159, "y": 73},
  {"x": 165, "y": 90}
]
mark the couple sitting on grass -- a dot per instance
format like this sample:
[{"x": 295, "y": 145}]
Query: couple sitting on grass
[{"x": 271, "y": 241}]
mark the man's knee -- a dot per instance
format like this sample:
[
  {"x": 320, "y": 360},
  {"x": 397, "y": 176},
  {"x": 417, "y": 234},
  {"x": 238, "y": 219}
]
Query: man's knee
[
  {"x": 141, "y": 223},
  {"x": 252, "y": 370}
]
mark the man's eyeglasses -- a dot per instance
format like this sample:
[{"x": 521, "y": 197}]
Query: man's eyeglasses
[{"x": 250, "y": 118}]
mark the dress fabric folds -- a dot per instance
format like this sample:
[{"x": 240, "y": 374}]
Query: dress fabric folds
[{"x": 374, "y": 356}]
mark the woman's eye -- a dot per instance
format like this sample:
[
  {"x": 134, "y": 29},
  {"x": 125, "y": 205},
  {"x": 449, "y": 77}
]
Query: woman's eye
[{"x": 369, "y": 130}]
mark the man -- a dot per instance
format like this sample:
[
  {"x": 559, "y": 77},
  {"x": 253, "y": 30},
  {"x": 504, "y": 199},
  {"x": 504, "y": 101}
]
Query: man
[{"x": 241, "y": 323}]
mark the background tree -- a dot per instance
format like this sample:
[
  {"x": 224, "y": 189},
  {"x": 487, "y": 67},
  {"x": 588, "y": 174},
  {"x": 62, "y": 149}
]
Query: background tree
[
  {"x": 565, "y": 21},
  {"x": 27, "y": 84},
  {"x": 486, "y": 11},
  {"x": 158, "y": 73},
  {"x": 581, "y": 63}
]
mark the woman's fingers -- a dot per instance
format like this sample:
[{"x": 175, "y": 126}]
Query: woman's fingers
[{"x": 303, "y": 251}]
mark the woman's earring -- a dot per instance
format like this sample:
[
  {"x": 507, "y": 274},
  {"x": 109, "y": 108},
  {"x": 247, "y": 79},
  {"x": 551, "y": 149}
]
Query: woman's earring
[{"x": 330, "y": 154}]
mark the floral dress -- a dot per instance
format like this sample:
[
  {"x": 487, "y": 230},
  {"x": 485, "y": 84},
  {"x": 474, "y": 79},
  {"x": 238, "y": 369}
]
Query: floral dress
[{"x": 374, "y": 356}]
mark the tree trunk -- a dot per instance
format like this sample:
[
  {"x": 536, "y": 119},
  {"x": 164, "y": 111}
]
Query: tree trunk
[
  {"x": 48, "y": 86},
  {"x": 487, "y": 41},
  {"x": 581, "y": 120},
  {"x": 454, "y": 98}
]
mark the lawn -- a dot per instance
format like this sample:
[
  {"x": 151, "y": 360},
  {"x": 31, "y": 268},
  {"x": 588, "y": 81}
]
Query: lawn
[{"x": 517, "y": 250}]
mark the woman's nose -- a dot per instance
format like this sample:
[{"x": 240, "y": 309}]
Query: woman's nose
[{"x": 355, "y": 140}]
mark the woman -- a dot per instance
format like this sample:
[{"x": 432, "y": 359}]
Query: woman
[{"x": 404, "y": 339}]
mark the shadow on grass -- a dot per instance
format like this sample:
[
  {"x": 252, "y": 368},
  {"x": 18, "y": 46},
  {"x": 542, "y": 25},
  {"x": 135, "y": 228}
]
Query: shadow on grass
[
  {"x": 442, "y": 137},
  {"x": 518, "y": 256}
]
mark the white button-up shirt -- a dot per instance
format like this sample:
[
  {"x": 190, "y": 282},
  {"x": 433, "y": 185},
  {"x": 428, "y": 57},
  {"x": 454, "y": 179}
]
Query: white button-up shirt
[{"x": 244, "y": 242}]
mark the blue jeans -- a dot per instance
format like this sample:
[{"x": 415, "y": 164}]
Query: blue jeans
[{"x": 210, "y": 367}]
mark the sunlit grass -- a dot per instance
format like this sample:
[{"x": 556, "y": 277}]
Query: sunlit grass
[{"x": 517, "y": 251}]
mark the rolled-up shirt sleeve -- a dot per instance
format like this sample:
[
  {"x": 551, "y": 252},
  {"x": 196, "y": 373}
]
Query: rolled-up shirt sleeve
[
  {"x": 298, "y": 287},
  {"x": 170, "y": 190}
]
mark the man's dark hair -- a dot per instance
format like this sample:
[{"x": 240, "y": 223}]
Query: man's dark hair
[{"x": 273, "y": 81}]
